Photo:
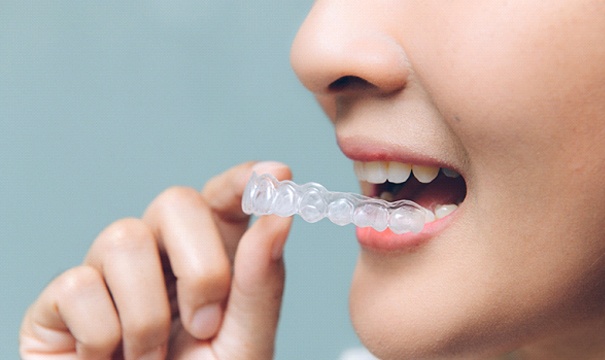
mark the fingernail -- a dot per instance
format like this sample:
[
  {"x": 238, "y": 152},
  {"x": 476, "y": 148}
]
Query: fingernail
[
  {"x": 206, "y": 321},
  {"x": 265, "y": 166}
]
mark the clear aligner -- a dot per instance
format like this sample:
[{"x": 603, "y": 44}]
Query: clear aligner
[{"x": 265, "y": 195}]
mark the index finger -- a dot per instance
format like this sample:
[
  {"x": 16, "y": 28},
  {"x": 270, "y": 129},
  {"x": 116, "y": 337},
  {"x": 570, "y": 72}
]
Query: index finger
[{"x": 223, "y": 194}]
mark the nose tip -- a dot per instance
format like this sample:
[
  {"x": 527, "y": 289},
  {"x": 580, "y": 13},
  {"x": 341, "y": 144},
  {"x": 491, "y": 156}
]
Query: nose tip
[{"x": 330, "y": 55}]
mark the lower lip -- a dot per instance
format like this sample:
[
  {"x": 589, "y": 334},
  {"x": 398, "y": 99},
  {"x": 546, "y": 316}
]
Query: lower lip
[{"x": 388, "y": 241}]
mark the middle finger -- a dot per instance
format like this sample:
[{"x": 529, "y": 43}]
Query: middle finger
[{"x": 185, "y": 227}]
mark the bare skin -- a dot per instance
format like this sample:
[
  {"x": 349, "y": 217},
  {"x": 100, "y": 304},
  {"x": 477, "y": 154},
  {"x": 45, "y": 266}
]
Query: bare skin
[
  {"x": 122, "y": 301},
  {"x": 509, "y": 94}
]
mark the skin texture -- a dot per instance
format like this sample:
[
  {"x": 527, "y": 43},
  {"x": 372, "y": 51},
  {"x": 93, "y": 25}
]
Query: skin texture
[
  {"x": 508, "y": 93},
  {"x": 121, "y": 303},
  {"x": 511, "y": 94}
]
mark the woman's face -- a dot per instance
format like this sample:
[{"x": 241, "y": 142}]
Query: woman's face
[{"x": 511, "y": 95}]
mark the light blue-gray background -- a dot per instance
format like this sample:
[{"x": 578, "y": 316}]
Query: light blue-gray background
[{"x": 105, "y": 104}]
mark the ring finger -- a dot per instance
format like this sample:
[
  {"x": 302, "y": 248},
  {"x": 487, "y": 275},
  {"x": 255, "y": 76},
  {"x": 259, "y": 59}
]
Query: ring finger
[{"x": 127, "y": 255}]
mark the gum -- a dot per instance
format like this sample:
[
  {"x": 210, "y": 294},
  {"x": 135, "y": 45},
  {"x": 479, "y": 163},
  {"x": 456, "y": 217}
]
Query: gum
[{"x": 265, "y": 195}]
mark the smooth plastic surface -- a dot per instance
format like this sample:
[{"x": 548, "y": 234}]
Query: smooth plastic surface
[{"x": 265, "y": 195}]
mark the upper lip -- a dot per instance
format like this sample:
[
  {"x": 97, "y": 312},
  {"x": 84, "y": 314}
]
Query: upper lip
[{"x": 361, "y": 148}]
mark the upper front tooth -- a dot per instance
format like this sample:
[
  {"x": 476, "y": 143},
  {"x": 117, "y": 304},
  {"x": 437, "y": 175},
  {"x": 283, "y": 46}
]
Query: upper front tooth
[
  {"x": 398, "y": 172},
  {"x": 425, "y": 174},
  {"x": 375, "y": 172},
  {"x": 359, "y": 171},
  {"x": 378, "y": 172}
]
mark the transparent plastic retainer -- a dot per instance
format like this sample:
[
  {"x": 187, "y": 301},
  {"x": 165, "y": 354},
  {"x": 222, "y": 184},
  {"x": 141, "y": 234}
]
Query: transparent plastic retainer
[{"x": 265, "y": 195}]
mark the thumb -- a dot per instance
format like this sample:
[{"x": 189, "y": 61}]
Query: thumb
[{"x": 252, "y": 312}]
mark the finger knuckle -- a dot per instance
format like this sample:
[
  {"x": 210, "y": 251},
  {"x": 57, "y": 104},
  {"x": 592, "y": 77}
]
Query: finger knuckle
[
  {"x": 148, "y": 331},
  {"x": 99, "y": 342},
  {"x": 126, "y": 235},
  {"x": 215, "y": 276},
  {"x": 75, "y": 281},
  {"x": 72, "y": 285},
  {"x": 179, "y": 197}
]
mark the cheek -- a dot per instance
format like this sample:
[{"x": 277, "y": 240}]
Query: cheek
[
  {"x": 526, "y": 96},
  {"x": 527, "y": 101},
  {"x": 501, "y": 276},
  {"x": 514, "y": 78},
  {"x": 523, "y": 90}
]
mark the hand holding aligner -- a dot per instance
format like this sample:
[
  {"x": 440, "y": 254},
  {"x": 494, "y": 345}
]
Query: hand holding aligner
[{"x": 265, "y": 195}]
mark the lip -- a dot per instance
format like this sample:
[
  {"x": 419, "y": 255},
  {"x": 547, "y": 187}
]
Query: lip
[
  {"x": 363, "y": 149},
  {"x": 366, "y": 149}
]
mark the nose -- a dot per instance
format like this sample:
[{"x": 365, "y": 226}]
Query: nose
[{"x": 347, "y": 45}]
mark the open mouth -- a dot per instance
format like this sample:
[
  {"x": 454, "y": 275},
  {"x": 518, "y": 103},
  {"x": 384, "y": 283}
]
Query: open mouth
[{"x": 440, "y": 190}]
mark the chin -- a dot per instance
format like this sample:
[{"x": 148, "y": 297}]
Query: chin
[
  {"x": 399, "y": 313},
  {"x": 389, "y": 338}
]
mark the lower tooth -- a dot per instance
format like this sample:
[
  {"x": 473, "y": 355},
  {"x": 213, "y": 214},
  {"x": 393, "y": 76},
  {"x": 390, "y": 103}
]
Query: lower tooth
[
  {"x": 429, "y": 217},
  {"x": 387, "y": 196},
  {"x": 442, "y": 211}
]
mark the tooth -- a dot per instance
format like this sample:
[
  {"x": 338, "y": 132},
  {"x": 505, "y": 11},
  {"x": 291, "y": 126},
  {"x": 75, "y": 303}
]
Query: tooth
[
  {"x": 425, "y": 174},
  {"x": 450, "y": 173},
  {"x": 429, "y": 216},
  {"x": 398, "y": 172},
  {"x": 375, "y": 172},
  {"x": 442, "y": 211},
  {"x": 358, "y": 168},
  {"x": 387, "y": 196}
]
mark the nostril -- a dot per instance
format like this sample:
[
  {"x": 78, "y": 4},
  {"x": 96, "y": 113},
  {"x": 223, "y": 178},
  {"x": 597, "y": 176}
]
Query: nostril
[{"x": 349, "y": 83}]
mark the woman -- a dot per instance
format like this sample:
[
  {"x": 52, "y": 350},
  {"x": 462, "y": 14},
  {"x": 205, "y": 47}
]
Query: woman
[{"x": 507, "y": 96}]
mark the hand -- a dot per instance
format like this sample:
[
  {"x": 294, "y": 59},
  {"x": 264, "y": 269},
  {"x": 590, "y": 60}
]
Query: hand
[{"x": 189, "y": 280}]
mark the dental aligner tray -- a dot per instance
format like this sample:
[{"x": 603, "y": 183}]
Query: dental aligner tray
[{"x": 265, "y": 195}]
